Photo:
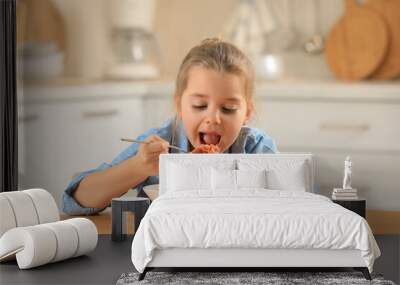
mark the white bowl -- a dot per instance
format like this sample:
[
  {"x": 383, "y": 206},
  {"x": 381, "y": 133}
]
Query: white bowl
[
  {"x": 151, "y": 191},
  {"x": 43, "y": 67}
]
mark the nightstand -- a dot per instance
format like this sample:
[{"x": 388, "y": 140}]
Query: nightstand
[
  {"x": 357, "y": 206},
  {"x": 136, "y": 205}
]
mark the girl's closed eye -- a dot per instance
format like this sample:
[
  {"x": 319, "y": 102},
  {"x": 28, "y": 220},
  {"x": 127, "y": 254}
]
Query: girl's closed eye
[
  {"x": 229, "y": 110},
  {"x": 225, "y": 109},
  {"x": 199, "y": 106}
]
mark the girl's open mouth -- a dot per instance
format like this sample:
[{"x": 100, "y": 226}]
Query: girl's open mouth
[{"x": 209, "y": 138}]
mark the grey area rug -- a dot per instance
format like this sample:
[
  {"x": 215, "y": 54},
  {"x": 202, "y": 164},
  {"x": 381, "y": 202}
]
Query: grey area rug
[{"x": 225, "y": 278}]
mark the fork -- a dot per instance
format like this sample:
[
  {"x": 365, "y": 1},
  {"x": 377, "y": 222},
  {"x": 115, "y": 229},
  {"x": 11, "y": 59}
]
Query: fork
[{"x": 143, "y": 142}]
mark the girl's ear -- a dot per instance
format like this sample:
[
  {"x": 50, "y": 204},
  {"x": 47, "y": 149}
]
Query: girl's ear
[{"x": 249, "y": 113}]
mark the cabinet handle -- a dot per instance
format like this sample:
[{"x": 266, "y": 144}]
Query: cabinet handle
[
  {"x": 100, "y": 113},
  {"x": 28, "y": 118},
  {"x": 359, "y": 128}
]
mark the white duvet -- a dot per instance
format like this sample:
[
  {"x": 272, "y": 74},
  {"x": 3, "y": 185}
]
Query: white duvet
[{"x": 253, "y": 218}]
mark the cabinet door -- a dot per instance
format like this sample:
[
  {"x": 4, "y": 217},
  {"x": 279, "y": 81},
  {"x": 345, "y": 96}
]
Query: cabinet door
[
  {"x": 23, "y": 119},
  {"x": 96, "y": 127},
  {"x": 65, "y": 138},
  {"x": 334, "y": 125},
  {"x": 129, "y": 123},
  {"x": 30, "y": 138},
  {"x": 333, "y": 130},
  {"x": 44, "y": 139}
]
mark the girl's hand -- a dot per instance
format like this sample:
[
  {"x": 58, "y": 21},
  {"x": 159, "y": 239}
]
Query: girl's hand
[{"x": 148, "y": 154}]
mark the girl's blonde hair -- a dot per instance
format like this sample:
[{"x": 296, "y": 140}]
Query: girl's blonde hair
[{"x": 214, "y": 53}]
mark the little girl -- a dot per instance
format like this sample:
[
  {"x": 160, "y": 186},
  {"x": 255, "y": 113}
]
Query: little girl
[{"x": 214, "y": 102}]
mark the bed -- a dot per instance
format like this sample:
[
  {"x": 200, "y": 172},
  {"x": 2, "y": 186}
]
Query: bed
[{"x": 245, "y": 211}]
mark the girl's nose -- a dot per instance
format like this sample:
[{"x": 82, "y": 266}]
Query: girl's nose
[{"x": 213, "y": 117}]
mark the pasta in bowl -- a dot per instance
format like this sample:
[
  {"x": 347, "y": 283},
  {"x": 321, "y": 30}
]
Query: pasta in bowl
[{"x": 206, "y": 148}]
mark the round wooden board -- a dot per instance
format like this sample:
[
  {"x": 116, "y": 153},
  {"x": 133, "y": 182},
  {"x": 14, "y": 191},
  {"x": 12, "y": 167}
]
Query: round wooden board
[
  {"x": 357, "y": 43},
  {"x": 390, "y": 11},
  {"x": 43, "y": 23}
]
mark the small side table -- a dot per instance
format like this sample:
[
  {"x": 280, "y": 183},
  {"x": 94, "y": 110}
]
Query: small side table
[
  {"x": 136, "y": 205},
  {"x": 357, "y": 206}
]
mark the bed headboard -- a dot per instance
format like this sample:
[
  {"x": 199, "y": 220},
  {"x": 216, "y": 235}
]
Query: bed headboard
[{"x": 235, "y": 161}]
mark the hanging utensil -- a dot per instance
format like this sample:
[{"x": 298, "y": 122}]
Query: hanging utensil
[
  {"x": 284, "y": 37},
  {"x": 315, "y": 44}
]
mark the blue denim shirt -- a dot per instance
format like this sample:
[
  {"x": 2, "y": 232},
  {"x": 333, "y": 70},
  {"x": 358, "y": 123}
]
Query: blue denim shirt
[{"x": 250, "y": 140}]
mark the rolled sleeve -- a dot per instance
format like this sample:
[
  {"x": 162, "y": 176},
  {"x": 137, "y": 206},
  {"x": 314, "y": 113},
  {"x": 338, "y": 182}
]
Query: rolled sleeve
[{"x": 70, "y": 205}]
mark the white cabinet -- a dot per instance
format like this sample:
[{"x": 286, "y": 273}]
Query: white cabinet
[
  {"x": 98, "y": 126},
  {"x": 335, "y": 126},
  {"x": 68, "y": 130},
  {"x": 43, "y": 149},
  {"x": 62, "y": 138},
  {"x": 30, "y": 131}
]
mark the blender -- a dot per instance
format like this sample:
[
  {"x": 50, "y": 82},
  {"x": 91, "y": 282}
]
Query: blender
[{"x": 136, "y": 53}]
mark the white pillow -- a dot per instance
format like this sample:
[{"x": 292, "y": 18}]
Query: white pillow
[
  {"x": 293, "y": 178},
  {"x": 251, "y": 178},
  {"x": 236, "y": 179},
  {"x": 282, "y": 174},
  {"x": 188, "y": 177},
  {"x": 223, "y": 179}
]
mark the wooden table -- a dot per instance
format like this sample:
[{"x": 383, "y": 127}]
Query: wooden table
[
  {"x": 103, "y": 221},
  {"x": 381, "y": 222},
  {"x": 384, "y": 222}
]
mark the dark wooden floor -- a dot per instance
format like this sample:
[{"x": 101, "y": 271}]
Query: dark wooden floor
[
  {"x": 110, "y": 260},
  {"x": 389, "y": 262},
  {"x": 102, "y": 266}
]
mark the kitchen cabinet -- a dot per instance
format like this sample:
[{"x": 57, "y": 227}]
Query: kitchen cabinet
[
  {"x": 333, "y": 122},
  {"x": 62, "y": 138},
  {"x": 69, "y": 129},
  {"x": 356, "y": 126}
]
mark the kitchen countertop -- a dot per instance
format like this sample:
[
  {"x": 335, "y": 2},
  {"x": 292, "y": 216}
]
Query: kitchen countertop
[{"x": 291, "y": 89}]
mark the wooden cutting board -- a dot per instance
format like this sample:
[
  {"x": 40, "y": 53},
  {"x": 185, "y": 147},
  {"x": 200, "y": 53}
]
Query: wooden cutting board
[
  {"x": 390, "y": 11},
  {"x": 357, "y": 43},
  {"x": 40, "y": 21}
]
